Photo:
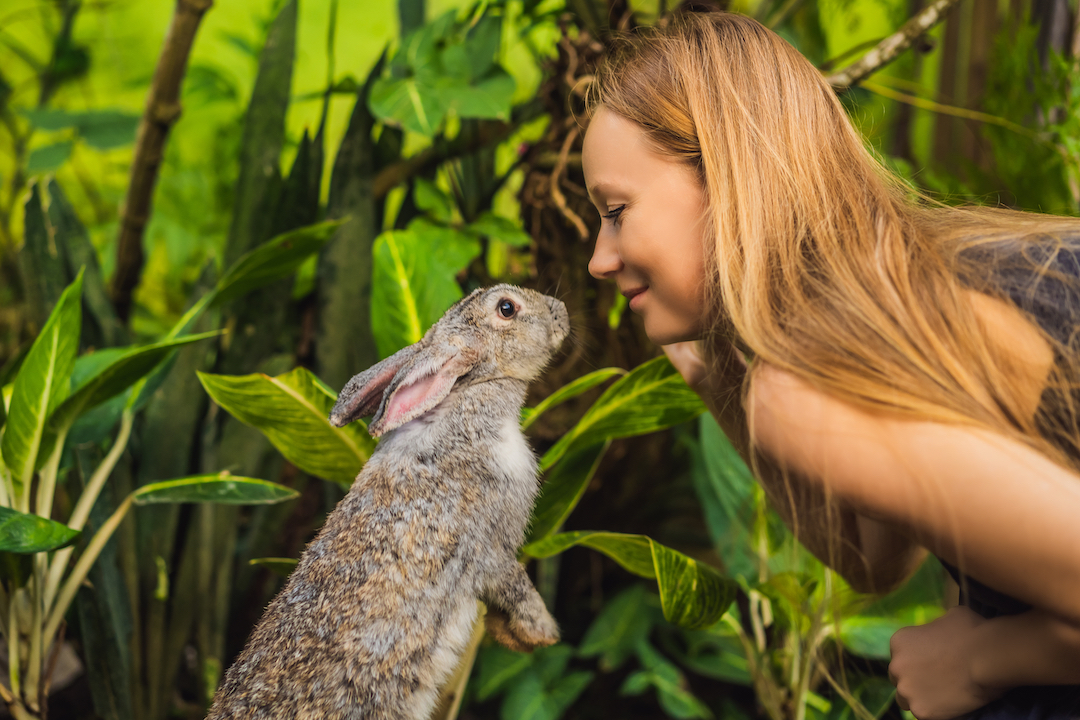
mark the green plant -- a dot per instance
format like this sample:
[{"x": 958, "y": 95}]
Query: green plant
[{"x": 51, "y": 391}]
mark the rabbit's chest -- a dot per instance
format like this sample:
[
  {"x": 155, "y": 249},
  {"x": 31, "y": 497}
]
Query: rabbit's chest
[{"x": 513, "y": 463}]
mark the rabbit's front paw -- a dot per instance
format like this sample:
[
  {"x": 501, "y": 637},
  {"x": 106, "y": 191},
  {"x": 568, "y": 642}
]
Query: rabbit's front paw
[{"x": 522, "y": 634}]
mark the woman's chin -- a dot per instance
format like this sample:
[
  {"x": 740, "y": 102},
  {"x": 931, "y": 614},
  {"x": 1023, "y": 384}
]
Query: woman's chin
[{"x": 667, "y": 333}]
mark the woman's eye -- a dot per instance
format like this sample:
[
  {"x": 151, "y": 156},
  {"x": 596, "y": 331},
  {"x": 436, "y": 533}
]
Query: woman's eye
[
  {"x": 614, "y": 214},
  {"x": 507, "y": 308}
]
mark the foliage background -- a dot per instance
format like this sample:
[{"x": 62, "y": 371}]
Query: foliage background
[{"x": 982, "y": 109}]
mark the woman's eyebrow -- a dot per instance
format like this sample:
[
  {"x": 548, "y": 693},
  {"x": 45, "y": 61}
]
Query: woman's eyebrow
[{"x": 599, "y": 188}]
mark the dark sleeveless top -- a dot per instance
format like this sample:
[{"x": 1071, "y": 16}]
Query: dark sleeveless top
[{"x": 1054, "y": 303}]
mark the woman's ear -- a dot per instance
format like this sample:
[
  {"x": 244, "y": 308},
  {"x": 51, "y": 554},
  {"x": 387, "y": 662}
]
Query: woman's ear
[
  {"x": 363, "y": 394},
  {"x": 424, "y": 385}
]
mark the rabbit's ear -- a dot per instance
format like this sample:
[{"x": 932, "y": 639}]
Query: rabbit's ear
[
  {"x": 362, "y": 395},
  {"x": 422, "y": 387}
]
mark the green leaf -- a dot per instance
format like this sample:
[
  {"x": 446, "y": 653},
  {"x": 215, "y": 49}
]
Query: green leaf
[
  {"x": 101, "y": 129},
  {"x": 692, "y": 595},
  {"x": 502, "y": 229},
  {"x": 24, "y": 534},
  {"x": 49, "y": 157},
  {"x": 413, "y": 281},
  {"x": 275, "y": 259},
  {"x": 497, "y": 667},
  {"x": 116, "y": 370},
  {"x": 567, "y": 392},
  {"x": 670, "y": 684},
  {"x": 488, "y": 99},
  {"x": 544, "y": 691},
  {"x": 433, "y": 201},
  {"x": 615, "y": 633},
  {"x": 562, "y": 489},
  {"x": 222, "y": 489},
  {"x": 651, "y": 397},
  {"x": 725, "y": 487},
  {"x": 292, "y": 411},
  {"x": 278, "y": 566},
  {"x": 42, "y": 383},
  {"x": 416, "y": 107},
  {"x": 869, "y": 636},
  {"x": 715, "y": 652}
]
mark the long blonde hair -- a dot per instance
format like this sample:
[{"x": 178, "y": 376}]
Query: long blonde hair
[{"x": 820, "y": 261}]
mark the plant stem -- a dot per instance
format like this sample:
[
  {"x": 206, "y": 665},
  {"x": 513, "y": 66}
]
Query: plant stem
[
  {"x": 86, "y": 502},
  {"x": 31, "y": 691},
  {"x": 86, "y": 560},
  {"x": 47, "y": 477},
  {"x": 162, "y": 111}
]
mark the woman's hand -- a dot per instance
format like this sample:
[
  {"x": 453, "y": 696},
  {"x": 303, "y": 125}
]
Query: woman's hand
[{"x": 931, "y": 667}]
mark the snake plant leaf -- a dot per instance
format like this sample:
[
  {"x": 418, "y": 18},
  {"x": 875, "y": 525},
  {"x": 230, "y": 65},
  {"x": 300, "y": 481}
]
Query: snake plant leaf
[
  {"x": 42, "y": 383},
  {"x": 568, "y": 392},
  {"x": 413, "y": 281},
  {"x": 219, "y": 488},
  {"x": 22, "y": 533},
  {"x": 562, "y": 489},
  {"x": 292, "y": 411},
  {"x": 117, "y": 370},
  {"x": 276, "y": 565},
  {"x": 692, "y": 595},
  {"x": 653, "y": 396}
]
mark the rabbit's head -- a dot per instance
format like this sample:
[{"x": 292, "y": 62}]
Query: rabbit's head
[{"x": 498, "y": 332}]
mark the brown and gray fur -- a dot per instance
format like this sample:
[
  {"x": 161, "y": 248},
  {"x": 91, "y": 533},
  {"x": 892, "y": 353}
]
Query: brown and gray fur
[{"x": 378, "y": 611}]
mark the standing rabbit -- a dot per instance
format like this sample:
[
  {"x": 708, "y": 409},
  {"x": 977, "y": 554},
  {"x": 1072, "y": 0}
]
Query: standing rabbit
[{"x": 378, "y": 611}]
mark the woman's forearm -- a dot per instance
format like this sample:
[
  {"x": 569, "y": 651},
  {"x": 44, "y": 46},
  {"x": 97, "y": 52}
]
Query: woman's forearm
[{"x": 1032, "y": 648}]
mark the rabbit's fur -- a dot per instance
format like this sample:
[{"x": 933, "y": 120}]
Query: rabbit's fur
[{"x": 378, "y": 611}]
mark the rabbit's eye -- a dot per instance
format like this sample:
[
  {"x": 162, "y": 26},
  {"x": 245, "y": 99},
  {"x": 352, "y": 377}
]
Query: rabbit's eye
[{"x": 507, "y": 308}]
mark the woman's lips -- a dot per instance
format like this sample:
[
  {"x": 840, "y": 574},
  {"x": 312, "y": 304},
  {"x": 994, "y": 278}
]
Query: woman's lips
[{"x": 635, "y": 297}]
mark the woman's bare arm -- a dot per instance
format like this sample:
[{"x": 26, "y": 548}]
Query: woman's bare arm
[
  {"x": 993, "y": 506},
  {"x": 872, "y": 556}
]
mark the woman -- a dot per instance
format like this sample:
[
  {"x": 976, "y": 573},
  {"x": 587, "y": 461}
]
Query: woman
[{"x": 913, "y": 365}]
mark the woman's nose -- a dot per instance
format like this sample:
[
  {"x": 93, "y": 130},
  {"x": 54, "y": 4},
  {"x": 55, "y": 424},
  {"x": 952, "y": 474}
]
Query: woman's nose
[{"x": 605, "y": 260}]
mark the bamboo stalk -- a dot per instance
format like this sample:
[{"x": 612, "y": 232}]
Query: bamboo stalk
[{"x": 162, "y": 111}]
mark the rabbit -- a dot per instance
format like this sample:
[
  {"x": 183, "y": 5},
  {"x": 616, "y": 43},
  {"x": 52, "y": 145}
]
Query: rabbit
[{"x": 383, "y": 601}]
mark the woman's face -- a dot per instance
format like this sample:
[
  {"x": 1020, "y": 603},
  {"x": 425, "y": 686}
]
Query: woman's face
[{"x": 651, "y": 232}]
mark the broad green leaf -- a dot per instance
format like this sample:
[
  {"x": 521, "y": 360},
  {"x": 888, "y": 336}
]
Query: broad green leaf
[
  {"x": 502, "y": 229},
  {"x": 222, "y": 488},
  {"x": 497, "y": 667},
  {"x": 279, "y": 566},
  {"x": 117, "y": 370},
  {"x": 49, "y": 157},
  {"x": 417, "y": 107},
  {"x": 692, "y": 595},
  {"x": 275, "y": 259},
  {"x": 725, "y": 487},
  {"x": 562, "y": 489},
  {"x": 869, "y": 635},
  {"x": 292, "y": 411},
  {"x": 488, "y": 99},
  {"x": 624, "y": 621},
  {"x": 42, "y": 383},
  {"x": 567, "y": 392},
  {"x": 544, "y": 690},
  {"x": 413, "y": 281},
  {"x": 433, "y": 201},
  {"x": 102, "y": 129},
  {"x": 669, "y": 682},
  {"x": 443, "y": 67},
  {"x": 715, "y": 652},
  {"x": 653, "y": 396},
  {"x": 24, "y": 534}
]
